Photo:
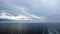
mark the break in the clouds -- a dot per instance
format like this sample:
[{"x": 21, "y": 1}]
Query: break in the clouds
[
  {"x": 11, "y": 17},
  {"x": 32, "y": 8}
]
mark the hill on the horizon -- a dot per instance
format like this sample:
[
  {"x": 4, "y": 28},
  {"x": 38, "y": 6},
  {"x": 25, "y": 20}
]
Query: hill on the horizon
[{"x": 1, "y": 19}]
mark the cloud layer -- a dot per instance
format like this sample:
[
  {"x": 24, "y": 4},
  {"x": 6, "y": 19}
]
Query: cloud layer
[{"x": 32, "y": 8}]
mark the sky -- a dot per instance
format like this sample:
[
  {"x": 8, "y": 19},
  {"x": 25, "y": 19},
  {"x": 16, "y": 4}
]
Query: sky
[{"x": 42, "y": 10}]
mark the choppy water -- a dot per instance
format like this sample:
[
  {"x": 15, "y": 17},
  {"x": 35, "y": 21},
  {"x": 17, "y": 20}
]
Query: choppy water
[{"x": 29, "y": 28}]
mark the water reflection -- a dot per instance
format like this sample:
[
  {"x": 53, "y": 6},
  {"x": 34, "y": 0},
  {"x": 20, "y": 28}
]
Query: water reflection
[{"x": 29, "y": 28}]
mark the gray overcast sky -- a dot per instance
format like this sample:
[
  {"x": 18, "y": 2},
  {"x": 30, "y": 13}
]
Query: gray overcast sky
[{"x": 45, "y": 8}]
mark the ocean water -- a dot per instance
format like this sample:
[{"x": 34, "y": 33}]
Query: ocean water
[{"x": 29, "y": 28}]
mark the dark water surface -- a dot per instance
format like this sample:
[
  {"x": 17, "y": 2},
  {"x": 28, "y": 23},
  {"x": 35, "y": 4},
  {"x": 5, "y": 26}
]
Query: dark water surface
[{"x": 29, "y": 28}]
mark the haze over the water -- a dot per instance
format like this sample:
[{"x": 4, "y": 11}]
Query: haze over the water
[{"x": 33, "y": 10}]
